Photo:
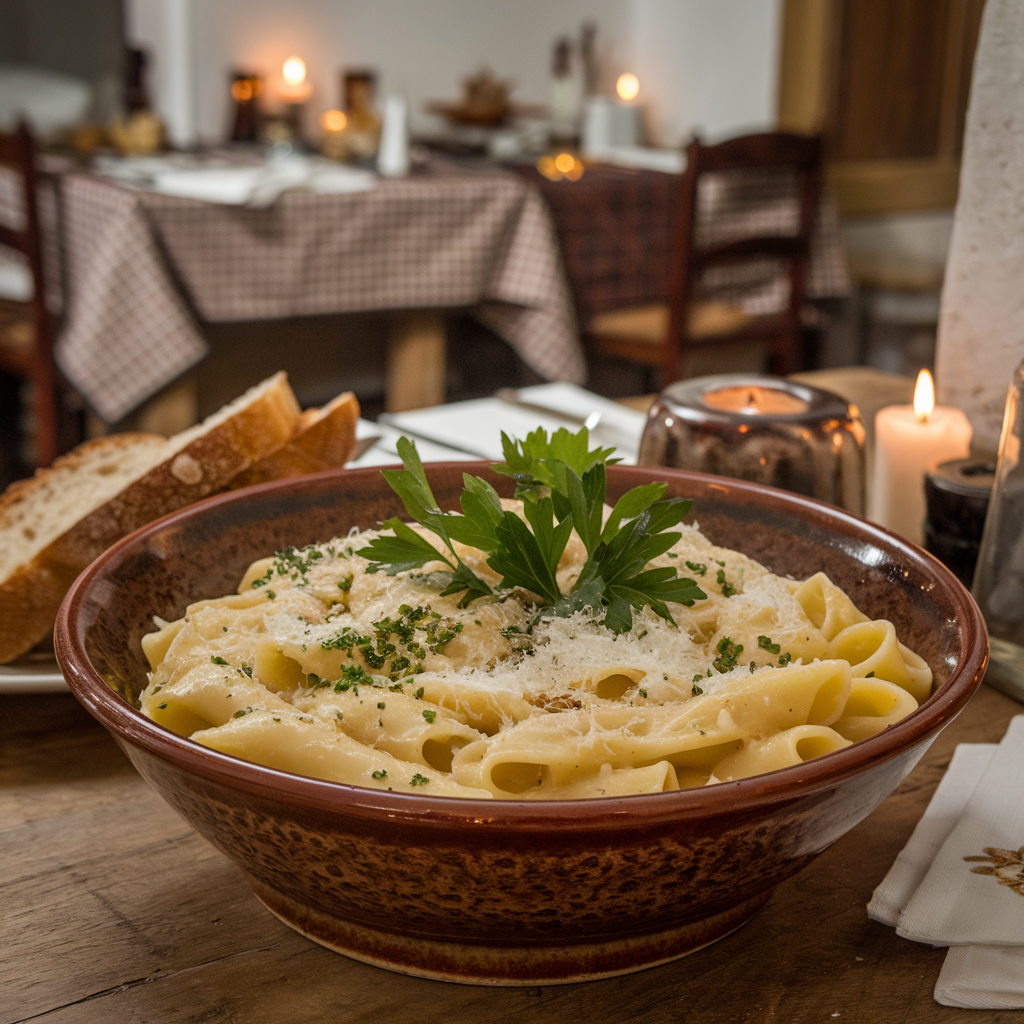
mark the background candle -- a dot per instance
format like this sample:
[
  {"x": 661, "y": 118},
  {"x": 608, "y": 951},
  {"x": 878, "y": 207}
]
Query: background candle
[{"x": 909, "y": 440}]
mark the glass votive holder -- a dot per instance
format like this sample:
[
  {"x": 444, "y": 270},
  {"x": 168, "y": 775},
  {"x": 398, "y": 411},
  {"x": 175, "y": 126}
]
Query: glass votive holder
[
  {"x": 999, "y": 578},
  {"x": 764, "y": 429}
]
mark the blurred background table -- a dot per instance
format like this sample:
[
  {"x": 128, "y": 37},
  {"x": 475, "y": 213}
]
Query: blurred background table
[{"x": 144, "y": 268}]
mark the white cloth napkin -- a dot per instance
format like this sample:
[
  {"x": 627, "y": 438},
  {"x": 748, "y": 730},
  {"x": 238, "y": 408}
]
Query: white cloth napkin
[
  {"x": 908, "y": 870},
  {"x": 974, "y": 889},
  {"x": 261, "y": 185},
  {"x": 935, "y": 892},
  {"x": 475, "y": 426},
  {"x": 982, "y": 978}
]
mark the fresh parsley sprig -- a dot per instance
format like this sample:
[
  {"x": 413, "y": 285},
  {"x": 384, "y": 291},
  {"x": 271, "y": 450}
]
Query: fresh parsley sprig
[
  {"x": 562, "y": 484},
  {"x": 407, "y": 549}
]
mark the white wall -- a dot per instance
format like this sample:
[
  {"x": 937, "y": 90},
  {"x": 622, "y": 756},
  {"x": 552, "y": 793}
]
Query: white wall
[{"x": 708, "y": 64}]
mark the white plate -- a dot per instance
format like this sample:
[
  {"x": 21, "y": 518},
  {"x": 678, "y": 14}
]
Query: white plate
[{"x": 43, "y": 677}]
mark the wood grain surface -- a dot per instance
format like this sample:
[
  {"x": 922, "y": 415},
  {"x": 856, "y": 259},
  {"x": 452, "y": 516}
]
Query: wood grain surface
[{"x": 112, "y": 909}]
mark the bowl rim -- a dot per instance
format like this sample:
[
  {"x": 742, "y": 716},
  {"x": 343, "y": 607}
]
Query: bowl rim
[{"x": 785, "y": 785}]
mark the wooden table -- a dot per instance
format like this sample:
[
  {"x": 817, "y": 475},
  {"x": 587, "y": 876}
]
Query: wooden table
[{"x": 113, "y": 910}]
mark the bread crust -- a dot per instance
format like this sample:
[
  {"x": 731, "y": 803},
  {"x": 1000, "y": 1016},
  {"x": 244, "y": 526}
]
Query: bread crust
[
  {"x": 322, "y": 440},
  {"x": 197, "y": 463}
]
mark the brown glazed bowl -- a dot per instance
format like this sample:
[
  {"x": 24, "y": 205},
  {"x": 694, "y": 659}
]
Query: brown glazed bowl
[{"x": 502, "y": 892}]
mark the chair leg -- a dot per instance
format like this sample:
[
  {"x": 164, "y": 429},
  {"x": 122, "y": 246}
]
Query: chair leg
[{"x": 44, "y": 409}]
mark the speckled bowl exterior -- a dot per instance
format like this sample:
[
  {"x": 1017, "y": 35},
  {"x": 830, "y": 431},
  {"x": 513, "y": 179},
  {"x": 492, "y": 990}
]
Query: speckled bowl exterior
[{"x": 502, "y": 892}]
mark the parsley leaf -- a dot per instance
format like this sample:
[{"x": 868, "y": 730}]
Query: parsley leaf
[
  {"x": 562, "y": 484},
  {"x": 407, "y": 549}
]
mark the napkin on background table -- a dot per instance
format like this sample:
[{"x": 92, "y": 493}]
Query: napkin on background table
[
  {"x": 959, "y": 882},
  {"x": 214, "y": 180},
  {"x": 261, "y": 185}
]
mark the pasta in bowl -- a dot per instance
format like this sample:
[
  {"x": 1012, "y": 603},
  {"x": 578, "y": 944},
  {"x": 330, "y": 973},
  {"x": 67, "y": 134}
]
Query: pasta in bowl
[
  {"x": 318, "y": 667},
  {"x": 498, "y": 887}
]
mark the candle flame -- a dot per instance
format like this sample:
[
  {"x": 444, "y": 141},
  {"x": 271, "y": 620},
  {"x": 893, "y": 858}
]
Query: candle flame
[
  {"x": 294, "y": 71},
  {"x": 628, "y": 86},
  {"x": 564, "y": 165},
  {"x": 924, "y": 396},
  {"x": 333, "y": 120}
]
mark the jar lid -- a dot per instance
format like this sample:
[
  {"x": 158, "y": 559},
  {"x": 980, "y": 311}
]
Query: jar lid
[{"x": 971, "y": 478}]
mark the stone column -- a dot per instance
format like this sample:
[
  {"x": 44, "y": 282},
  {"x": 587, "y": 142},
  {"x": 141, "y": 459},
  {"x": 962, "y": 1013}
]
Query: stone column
[{"x": 981, "y": 327}]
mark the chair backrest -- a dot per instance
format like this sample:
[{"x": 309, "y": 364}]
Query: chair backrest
[
  {"x": 18, "y": 152},
  {"x": 760, "y": 184}
]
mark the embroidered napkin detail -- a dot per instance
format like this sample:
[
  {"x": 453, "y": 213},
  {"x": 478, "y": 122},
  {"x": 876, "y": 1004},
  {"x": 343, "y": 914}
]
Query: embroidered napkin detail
[
  {"x": 947, "y": 804},
  {"x": 957, "y": 904}
]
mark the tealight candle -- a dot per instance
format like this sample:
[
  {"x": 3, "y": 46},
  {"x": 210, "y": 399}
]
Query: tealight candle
[
  {"x": 910, "y": 440},
  {"x": 765, "y": 429},
  {"x": 754, "y": 400}
]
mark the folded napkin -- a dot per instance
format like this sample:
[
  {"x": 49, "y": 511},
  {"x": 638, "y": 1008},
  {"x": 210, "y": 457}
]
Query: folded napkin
[
  {"x": 476, "y": 426},
  {"x": 974, "y": 890},
  {"x": 965, "y": 770},
  {"x": 261, "y": 185},
  {"x": 982, "y": 978},
  {"x": 959, "y": 882}
]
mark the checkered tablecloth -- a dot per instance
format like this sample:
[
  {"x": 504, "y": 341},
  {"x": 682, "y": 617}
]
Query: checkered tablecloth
[
  {"x": 144, "y": 267},
  {"x": 615, "y": 230}
]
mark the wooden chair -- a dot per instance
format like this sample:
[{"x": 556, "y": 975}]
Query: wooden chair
[
  {"x": 664, "y": 337},
  {"x": 26, "y": 332}
]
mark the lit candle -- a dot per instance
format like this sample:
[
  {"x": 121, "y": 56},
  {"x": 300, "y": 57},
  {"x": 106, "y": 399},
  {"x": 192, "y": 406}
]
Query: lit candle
[
  {"x": 295, "y": 88},
  {"x": 755, "y": 400},
  {"x": 910, "y": 440},
  {"x": 334, "y": 143},
  {"x": 764, "y": 429},
  {"x": 628, "y": 87},
  {"x": 563, "y": 165}
]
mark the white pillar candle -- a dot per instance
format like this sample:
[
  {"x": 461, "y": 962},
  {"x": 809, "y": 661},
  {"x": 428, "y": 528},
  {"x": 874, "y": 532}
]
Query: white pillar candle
[{"x": 910, "y": 440}]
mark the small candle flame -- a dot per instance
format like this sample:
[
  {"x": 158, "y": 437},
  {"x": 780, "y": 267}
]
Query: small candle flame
[
  {"x": 924, "y": 396},
  {"x": 333, "y": 120},
  {"x": 563, "y": 165},
  {"x": 243, "y": 90},
  {"x": 294, "y": 71},
  {"x": 628, "y": 86}
]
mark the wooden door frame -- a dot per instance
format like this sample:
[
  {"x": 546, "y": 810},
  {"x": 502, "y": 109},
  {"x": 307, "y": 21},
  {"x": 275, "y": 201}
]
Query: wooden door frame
[{"x": 807, "y": 95}]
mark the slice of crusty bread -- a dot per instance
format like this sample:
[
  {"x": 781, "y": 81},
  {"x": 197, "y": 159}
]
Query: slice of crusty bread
[
  {"x": 54, "y": 524},
  {"x": 322, "y": 440}
]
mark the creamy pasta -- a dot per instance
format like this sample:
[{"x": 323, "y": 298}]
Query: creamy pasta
[{"x": 318, "y": 667}]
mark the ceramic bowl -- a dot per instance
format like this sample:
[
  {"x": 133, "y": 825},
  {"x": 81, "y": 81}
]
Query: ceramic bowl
[{"x": 503, "y": 892}]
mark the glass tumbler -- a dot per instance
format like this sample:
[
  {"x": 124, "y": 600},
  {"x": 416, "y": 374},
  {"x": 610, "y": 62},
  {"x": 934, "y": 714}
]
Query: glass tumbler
[{"x": 999, "y": 578}]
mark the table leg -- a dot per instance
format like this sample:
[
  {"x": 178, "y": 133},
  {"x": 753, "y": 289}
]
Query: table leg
[{"x": 416, "y": 361}]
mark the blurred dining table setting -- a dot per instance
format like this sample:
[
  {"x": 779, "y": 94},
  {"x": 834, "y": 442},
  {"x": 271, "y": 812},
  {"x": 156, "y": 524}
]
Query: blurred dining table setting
[{"x": 154, "y": 247}]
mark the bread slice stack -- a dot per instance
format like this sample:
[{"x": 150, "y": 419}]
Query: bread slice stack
[
  {"x": 322, "y": 440},
  {"x": 55, "y": 523}
]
